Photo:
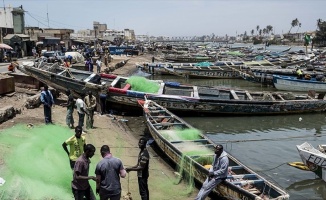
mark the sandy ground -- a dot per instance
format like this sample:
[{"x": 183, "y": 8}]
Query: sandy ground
[{"x": 121, "y": 136}]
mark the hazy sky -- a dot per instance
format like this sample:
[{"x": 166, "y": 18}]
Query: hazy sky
[{"x": 174, "y": 17}]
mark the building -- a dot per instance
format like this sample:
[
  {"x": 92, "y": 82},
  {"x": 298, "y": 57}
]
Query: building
[{"x": 6, "y": 22}]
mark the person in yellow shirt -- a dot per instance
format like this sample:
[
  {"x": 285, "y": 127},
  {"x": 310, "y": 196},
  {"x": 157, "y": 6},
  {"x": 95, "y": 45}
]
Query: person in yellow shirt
[{"x": 76, "y": 144}]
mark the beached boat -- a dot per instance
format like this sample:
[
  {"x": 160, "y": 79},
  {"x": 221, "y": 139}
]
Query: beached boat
[
  {"x": 185, "y": 99},
  {"x": 189, "y": 59},
  {"x": 314, "y": 159},
  {"x": 193, "y": 152},
  {"x": 62, "y": 78},
  {"x": 203, "y": 71},
  {"x": 292, "y": 83}
]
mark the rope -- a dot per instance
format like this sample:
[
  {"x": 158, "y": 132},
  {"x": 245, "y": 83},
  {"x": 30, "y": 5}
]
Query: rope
[
  {"x": 271, "y": 168},
  {"x": 269, "y": 139}
]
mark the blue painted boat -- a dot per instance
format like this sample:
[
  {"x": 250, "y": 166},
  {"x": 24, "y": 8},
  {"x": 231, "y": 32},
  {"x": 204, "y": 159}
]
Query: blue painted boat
[{"x": 292, "y": 83}]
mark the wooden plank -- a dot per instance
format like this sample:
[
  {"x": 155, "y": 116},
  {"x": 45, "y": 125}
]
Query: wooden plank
[
  {"x": 168, "y": 124},
  {"x": 195, "y": 94},
  {"x": 249, "y": 95},
  {"x": 279, "y": 96},
  {"x": 235, "y": 96},
  {"x": 160, "y": 91}
]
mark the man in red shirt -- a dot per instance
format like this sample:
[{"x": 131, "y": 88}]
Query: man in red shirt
[{"x": 80, "y": 185}]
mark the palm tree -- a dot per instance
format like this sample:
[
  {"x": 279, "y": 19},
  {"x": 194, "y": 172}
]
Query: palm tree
[
  {"x": 299, "y": 26},
  {"x": 294, "y": 23},
  {"x": 269, "y": 29},
  {"x": 260, "y": 31},
  {"x": 257, "y": 28},
  {"x": 319, "y": 21},
  {"x": 252, "y": 32}
]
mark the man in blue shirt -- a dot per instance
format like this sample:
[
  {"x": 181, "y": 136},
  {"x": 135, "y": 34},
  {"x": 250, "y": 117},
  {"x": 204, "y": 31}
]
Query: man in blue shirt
[
  {"x": 216, "y": 174},
  {"x": 47, "y": 100}
]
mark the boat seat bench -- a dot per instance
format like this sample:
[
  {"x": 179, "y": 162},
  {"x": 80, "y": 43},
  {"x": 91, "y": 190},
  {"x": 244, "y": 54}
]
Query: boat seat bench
[
  {"x": 179, "y": 141},
  {"x": 167, "y": 124}
]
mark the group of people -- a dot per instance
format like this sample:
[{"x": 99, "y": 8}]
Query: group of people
[
  {"x": 108, "y": 171},
  {"x": 84, "y": 105},
  {"x": 89, "y": 64}
]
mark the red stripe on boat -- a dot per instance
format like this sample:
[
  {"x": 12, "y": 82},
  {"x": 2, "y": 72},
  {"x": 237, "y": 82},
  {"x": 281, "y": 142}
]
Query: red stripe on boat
[
  {"x": 117, "y": 90},
  {"x": 111, "y": 76}
]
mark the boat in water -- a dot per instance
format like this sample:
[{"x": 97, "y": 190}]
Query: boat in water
[
  {"x": 123, "y": 93},
  {"x": 292, "y": 83},
  {"x": 314, "y": 159},
  {"x": 193, "y": 152}
]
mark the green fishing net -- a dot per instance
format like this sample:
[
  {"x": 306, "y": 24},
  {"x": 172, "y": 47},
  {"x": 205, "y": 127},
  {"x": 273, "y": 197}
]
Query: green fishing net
[
  {"x": 181, "y": 134},
  {"x": 142, "y": 84},
  {"x": 34, "y": 164}
]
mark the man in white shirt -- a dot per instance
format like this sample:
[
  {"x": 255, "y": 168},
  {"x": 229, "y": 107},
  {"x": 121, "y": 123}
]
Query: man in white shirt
[
  {"x": 98, "y": 65},
  {"x": 81, "y": 110}
]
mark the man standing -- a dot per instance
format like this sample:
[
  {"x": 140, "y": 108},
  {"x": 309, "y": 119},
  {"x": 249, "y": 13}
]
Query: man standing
[
  {"x": 80, "y": 185},
  {"x": 76, "y": 144},
  {"x": 142, "y": 169},
  {"x": 98, "y": 65},
  {"x": 216, "y": 174},
  {"x": 70, "y": 109},
  {"x": 90, "y": 102},
  {"x": 81, "y": 109},
  {"x": 47, "y": 100},
  {"x": 108, "y": 172},
  {"x": 103, "y": 95}
]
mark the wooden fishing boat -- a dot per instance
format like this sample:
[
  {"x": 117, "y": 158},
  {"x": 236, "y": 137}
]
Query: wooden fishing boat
[
  {"x": 62, "y": 78},
  {"x": 292, "y": 83},
  {"x": 181, "y": 98},
  {"x": 314, "y": 159},
  {"x": 190, "y": 59},
  {"x": 203, "y": 72},
  {"x": 195, "y": 156}
]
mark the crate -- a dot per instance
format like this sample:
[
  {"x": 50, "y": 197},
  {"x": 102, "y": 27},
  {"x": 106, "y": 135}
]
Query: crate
[{"x": 7, "y": 84}]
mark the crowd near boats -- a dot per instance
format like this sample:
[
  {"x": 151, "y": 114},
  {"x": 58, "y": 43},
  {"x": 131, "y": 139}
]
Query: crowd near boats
[{"x": 288, "y": 71}]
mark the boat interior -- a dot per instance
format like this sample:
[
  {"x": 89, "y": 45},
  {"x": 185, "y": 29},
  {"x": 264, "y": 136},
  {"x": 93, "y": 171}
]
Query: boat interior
[{"x": 201, "y": 151}]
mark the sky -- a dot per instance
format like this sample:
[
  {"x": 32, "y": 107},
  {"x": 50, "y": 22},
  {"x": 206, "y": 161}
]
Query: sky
[{"x": 174, "y": 18}]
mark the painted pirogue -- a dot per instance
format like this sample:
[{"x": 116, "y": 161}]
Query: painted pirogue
[{"x": 196, "y": 152}]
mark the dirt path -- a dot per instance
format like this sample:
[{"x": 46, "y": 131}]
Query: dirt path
[{"x": 122, "y": 137}]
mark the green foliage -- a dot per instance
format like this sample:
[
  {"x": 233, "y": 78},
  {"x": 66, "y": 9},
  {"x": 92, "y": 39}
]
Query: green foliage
[
  {"x": 257, "y": 40},
  {"x": 142, "y": 84},
  {"x": 320, "y": 38}
]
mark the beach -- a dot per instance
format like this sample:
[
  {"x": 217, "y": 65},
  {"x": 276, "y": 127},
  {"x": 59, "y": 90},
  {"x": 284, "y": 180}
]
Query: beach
[{"x": 121, "y": 135}]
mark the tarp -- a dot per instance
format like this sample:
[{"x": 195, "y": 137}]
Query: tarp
[{"x": 75, "y": 56}]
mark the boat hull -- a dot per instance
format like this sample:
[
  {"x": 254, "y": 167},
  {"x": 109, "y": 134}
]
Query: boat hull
[
  {"x": 293, "y": 84},
  {"x": 176, "y": 150},
  {"x": 314, "y": 159}
]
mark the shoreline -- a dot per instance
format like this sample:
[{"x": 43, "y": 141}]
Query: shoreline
[{"x": 122, "y": 137}]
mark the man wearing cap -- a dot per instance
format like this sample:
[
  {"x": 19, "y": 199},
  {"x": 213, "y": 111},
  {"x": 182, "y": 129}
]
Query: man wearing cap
[{"x": 216, "y": 174}]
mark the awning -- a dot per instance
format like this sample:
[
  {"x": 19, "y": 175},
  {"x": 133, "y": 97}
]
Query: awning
[{"x": 5, "y": 46}]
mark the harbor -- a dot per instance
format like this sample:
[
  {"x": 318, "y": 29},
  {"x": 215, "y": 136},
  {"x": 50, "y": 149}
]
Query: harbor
[{"x": 230, "y": 111}]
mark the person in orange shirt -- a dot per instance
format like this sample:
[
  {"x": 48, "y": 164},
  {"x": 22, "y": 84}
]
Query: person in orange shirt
[{"x": 66, "y": 63}]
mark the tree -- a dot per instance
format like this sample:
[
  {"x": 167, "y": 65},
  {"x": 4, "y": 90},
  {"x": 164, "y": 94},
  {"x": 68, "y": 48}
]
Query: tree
[
  {"x": 320, "y": 37},
  {"x": 294, "y": 23},
  {"x": 257, "y": 28},
  {"x": 260, "y": 31},
  {"x": 269, "y": 29},
  {"x": 252, "y": 32},
  {"x": 299, "y": 26}
]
